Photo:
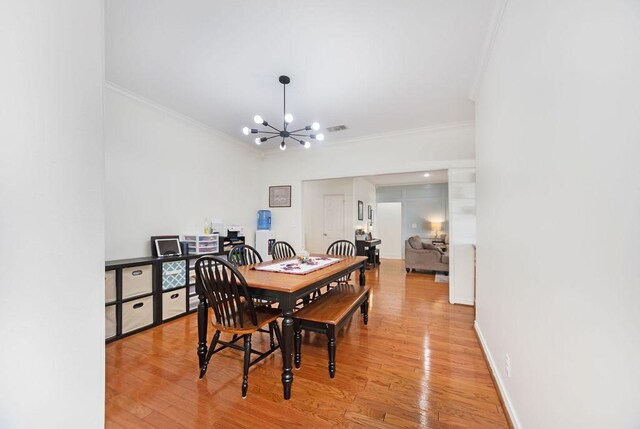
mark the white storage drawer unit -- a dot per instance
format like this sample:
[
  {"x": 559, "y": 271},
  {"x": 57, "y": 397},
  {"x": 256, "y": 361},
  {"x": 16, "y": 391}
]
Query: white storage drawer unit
[
  {"x": 137, "y": 314},
  {"x": 200, "y": 244},
  {"x": 174, "y": 303},
  {"x": 109, "y": 286},
  {"x": 137, "y": 281},
  {"x": 110, "y": 321},
  {"x": 194, "y": 301}
]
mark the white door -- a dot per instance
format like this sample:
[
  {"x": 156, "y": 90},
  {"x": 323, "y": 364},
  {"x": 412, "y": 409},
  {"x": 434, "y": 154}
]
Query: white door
[
  {"x": 390, "y": 230},
  {"x": 333, "y": 219}
]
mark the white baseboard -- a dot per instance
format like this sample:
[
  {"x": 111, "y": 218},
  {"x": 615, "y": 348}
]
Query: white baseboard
[
  {"x": 464, "y": 302},
  {"x": 496, "y": 375}
]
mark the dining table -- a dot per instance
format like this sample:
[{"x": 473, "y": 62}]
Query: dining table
[{"x": 287, "y": 289}]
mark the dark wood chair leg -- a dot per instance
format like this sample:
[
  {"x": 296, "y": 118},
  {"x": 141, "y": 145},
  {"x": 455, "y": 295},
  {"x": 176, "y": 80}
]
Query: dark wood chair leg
[
  {"x": 272, "y": 344},
  {"x": 247, "y": 360},
  {"x": 297, "y": 342},
  {"x": 331, "y": 334},
  {"x": 276, "y": 330},
  {"x": 365, "y": 310},
  {"x": 212, "y": 348}
]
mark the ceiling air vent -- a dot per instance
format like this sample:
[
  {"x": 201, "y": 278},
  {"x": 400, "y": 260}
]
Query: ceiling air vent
[{"x": 336, "y": 128}]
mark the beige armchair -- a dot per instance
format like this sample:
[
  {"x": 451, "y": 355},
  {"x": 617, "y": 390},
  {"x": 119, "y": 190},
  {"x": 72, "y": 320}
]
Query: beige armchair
[{"x": 419, "y": 256}]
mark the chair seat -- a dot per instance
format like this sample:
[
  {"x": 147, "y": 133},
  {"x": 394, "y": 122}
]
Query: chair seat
[{"x": 265, "y": 315}]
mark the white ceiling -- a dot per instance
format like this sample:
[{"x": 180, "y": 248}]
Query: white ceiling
[
  {"x": 376, "y": 66},
  {"x": 417, "y": 178}
]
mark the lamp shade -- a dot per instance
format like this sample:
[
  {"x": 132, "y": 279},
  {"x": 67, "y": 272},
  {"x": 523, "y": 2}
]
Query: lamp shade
[{"x": 436, "y": 226}]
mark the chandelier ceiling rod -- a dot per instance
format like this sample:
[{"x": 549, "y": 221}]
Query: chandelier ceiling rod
[{"x": 287, "y": 119}]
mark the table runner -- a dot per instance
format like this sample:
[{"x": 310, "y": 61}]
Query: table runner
[{"x": 300, "y": 265}]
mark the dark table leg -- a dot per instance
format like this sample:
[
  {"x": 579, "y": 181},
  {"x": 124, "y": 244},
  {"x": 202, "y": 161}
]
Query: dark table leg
[
  {"x": 362, "y": 278},
  {"x": 287, "y": 348}
]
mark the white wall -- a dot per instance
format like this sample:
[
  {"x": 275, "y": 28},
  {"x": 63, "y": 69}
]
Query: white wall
[
  {"x": 51, "y": 221},
  {"x": 313, "y": 196},
  {"x": 166, "y": 174},
  {"x": 364, "y": 191},
  {"x": 559, "y": 289},
  {"x": 462, "y": 219},
  {"x": 429, "y": 149}
]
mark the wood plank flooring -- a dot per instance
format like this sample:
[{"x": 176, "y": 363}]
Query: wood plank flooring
[{"x": 417, "y": 364}]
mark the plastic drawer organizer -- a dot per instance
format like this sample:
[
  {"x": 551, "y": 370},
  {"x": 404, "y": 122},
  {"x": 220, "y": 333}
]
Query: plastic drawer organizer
[{"x": 201, "y": 244}]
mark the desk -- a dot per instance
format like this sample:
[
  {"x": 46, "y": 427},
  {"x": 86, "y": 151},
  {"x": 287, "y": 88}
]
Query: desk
[
  {"x": 368, "y": 248},
  {"x": 286, "y": 289}
]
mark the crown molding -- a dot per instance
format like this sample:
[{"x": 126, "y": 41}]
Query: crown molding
[
  {"x": 181, "y": 117},
  {"x": 422, "y": 130},
  {"x": 487, "y": 50}
]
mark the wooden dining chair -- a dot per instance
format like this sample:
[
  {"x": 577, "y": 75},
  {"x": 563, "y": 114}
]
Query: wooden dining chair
[
  {"x": 342, "y": 248},
  {"x": 225, "y": 290},
  {"x": 243, "y": 254},
  {"x": 282, "y": 250}
]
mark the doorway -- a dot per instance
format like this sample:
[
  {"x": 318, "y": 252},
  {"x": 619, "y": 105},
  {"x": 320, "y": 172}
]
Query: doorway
[{"x": 390, "y": 230}]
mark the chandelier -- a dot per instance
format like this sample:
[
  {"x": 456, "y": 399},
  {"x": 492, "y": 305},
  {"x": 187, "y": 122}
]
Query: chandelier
[{"x": 301, "y": 135}]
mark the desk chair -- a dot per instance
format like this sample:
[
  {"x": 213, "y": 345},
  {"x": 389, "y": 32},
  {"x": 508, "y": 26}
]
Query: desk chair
[{"x": 226, "y": 292}]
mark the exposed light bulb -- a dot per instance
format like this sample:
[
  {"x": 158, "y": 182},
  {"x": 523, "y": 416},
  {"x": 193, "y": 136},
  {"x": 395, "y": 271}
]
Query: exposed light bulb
[
  {"x": 288, "y": 118},
  {"x": 258, "y": 119},
  {"x": 257, "y": 140},
  {"x": 283, "y": 145},
  {"x": 426, "y": 175},
  {"x": 246, "y": 131},
  {"x": 315, "y": 126},
  {"x": 307, "y": 145},
  {"x": 320, "y": 137}
]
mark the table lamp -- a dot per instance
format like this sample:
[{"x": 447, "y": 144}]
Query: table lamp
[{"x": 436, "y": 227}]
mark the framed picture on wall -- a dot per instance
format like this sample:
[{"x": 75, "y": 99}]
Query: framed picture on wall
[
  {"x": 360, "y": 210},
  {"x": 369, "y": 212},
  {"x": 280, "y": 196}
]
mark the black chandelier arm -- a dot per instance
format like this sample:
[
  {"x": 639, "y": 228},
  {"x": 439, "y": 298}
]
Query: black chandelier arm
[
  {"x": 300, "y": 135},
  {"x": 295, "y": 131},
  {"x": 268, "y": 132},
  {"x": 272, "y": 127}
]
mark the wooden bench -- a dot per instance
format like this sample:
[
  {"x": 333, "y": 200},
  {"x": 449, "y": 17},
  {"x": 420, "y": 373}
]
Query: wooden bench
[{"x": 328, "y": 314}]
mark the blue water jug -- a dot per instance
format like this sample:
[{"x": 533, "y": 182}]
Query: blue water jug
[{"x": 264, "y": 219}]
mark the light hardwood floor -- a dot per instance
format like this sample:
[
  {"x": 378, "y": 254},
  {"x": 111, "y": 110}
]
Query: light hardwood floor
[{"x": 417, "y": 364}]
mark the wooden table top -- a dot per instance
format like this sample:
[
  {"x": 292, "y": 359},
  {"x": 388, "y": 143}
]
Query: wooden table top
[{"x": 286, "y": 282}]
